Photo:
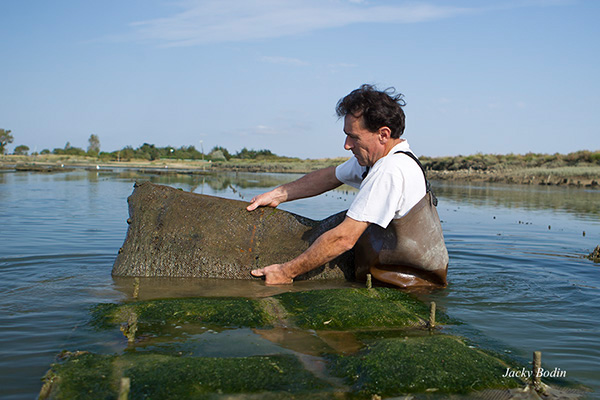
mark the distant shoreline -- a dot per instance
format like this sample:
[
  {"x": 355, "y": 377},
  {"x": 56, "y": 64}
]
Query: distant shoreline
[
  {"x": 585, "y": 175},
  {"x": 561, "y": 176}
]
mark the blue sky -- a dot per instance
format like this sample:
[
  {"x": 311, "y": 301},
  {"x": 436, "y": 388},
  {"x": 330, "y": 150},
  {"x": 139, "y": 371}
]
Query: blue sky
[{"x": 497, "y": 76}]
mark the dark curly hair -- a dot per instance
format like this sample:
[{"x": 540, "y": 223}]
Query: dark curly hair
[{"x": 378, "y": 108}]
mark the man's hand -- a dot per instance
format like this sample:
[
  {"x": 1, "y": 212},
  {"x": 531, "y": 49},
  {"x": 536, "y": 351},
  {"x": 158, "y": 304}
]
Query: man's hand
[
  {"x": 327, "y": 247},
  {"x": 270, "y": 199},
  {"x": 274, "y": 275},
  {"x": 309, "y": 185}
]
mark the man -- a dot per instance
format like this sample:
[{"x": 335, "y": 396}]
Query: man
[{"x": 390, "y": 183}]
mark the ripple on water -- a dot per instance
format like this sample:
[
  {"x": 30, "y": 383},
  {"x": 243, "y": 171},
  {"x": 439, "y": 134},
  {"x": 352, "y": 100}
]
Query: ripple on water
[{"x": 517, "y": 285}]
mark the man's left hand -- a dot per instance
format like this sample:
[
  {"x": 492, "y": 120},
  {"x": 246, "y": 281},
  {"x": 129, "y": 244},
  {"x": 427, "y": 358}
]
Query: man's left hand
[{"x": 274, "y": 275}]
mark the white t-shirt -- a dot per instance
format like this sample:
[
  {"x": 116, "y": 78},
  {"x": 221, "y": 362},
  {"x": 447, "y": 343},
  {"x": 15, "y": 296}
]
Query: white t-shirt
[{"x": 392, "y": 187}]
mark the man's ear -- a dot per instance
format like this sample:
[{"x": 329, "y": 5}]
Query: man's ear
[{"x": 384, "y": 134}]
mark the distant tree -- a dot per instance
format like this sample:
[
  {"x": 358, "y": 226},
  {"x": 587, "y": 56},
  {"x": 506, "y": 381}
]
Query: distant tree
[
  {"x": 245, "y": 153},
  {"x": 69, "y": 150},
  {"x": 21, "y": 150},
  {"x": 148, "y": 152},
  {"x": 217, "y": 155},
  {"x": 253, "y": 154},
  {"x": 94, "y": 147},
  {"x": 187, "y": 153},
  {"x": 127, "y": 153},
  {"x": 5, "y": 138},
  {"x": 75, "y": 151},
  {"x": 223, "y": 150},
  {"x": 105, "y": 156},
  {"x": 45, "y": 151}
]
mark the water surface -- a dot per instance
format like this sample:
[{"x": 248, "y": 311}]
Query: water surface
[{"x": 518, "y": 279}]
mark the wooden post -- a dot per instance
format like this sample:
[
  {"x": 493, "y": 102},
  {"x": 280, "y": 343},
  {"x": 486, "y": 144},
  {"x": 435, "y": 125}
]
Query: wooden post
[
  {"x": 129, "y": 328},
  {"x": 136, "y": 288},
  {"x": 369, "y": 283},
  {"x": 124, "y": 389},
  {"x": 537, "y": 370},
  {"x": 432, "y": 315},
  {"x": 132, "y": 328}
]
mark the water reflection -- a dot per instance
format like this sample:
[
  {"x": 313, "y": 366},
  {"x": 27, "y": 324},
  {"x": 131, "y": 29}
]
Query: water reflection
[
  {"x": 156, "y": 288},
  {"x": 222, "y": 180},
  {"x": 521, "y": 287},
  {"x": 578, "y": 201}
]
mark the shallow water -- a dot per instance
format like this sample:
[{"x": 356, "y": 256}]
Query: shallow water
[{"x": 517, "y": 277}]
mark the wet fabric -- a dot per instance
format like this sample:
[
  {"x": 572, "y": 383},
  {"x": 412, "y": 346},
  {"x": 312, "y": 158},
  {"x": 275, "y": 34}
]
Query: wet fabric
[{"x": 410, "y": 252}]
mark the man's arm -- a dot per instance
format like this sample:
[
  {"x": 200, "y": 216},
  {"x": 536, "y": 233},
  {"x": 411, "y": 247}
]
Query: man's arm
[
  {"x": 309, "y": 185},
  {"x": 327, "y": 247}
]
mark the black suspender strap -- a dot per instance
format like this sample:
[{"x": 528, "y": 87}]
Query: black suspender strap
[
  {"x": 364, "y": 175},
  {"x": 427, "y": 185}
]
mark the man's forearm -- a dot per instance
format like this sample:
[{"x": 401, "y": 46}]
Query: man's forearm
[
  {"x": 327, "y": 247},
  {"x": 309, "y": 185}
]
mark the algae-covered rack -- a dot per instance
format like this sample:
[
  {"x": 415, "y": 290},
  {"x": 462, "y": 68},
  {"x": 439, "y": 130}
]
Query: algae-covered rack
[{"x": 318, "y": 344}]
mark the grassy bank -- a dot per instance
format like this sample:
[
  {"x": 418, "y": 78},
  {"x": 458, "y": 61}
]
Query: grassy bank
[
  {"x": 576, "y": 169},
  {"x": 581, "y": 176},
  {"x": 580, "y": 168}
]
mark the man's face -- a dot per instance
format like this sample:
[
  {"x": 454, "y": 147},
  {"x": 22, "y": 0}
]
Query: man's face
[{"x": 365, "y": 145}]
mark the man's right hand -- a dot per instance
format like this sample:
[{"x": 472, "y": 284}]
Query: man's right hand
[
  {"x": 274, "y": 275},
  {"x": 269, "y": 199},
  {"x": 309, "y": 185}
]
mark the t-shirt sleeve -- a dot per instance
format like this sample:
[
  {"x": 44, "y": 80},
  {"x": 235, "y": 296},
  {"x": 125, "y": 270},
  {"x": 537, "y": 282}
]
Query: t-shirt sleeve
[
  {"x": 350, "y": 173},
  {"x": 377, "y": 200}
]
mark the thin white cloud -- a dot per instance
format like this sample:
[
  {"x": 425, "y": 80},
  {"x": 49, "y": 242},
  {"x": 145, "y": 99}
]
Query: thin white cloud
[
  {"x": 265, "y": 130},
  {"x": 214, "y": 21},
  {"x": 284, "y": 61},
  {"x": 258, "y": 130}
]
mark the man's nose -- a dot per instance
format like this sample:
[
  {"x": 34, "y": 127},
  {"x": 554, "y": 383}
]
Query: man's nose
[{"x": 348, "y": 143}]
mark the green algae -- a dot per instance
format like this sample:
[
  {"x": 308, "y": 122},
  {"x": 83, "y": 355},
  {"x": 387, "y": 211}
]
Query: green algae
[
  {"x": 424, "y": 364},
  {"x": 221, "y": 312},
  {"x": 329, "y": 309},
  {"x": 94, "y": 376},
  {"x": 169, "y": 377},
  {"x": 86, "y": 376},
  {"x": 355, "y": 309},
  {"x": 372, "y": 346}
]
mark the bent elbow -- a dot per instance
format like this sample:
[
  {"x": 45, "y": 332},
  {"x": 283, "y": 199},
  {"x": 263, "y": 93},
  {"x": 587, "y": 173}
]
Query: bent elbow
[{"x": 347, "y": 244}]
